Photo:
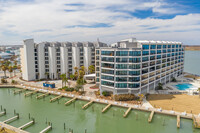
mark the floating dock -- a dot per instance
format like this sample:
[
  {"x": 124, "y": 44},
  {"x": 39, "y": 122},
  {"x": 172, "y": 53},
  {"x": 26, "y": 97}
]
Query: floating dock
[
  {"x": 3, "y": 113},
  {"x": 87, "y": 104},
  {"x": 151, "y": 116},
  {"x": 42, "y": 96},
  {"x": 11, "y": 119},
  {"x": 46, "y": 129},
  {"x": 70, "y": 101},
  {"x": 30, "y": 93},
  {"x": 27, "y": 125},
  {"x": 56, "y": 98},
  {"x": 196, "y": 121},
  {"x": 127, "y": 112},
  {"x": 106, "y": 108}
]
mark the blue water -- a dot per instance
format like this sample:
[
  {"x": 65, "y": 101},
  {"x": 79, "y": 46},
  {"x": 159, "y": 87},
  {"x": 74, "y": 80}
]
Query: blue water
[
  {"x": 192, "y": 62},
  {"x": 184, "y": 86}
]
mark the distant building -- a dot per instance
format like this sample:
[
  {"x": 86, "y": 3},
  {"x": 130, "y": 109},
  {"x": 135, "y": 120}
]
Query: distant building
[
  {"x": 138, "y": 66},
  {"x": 51, "y": 59}
]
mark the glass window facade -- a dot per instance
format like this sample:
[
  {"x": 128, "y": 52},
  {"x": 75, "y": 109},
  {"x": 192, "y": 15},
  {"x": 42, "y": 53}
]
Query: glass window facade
[
  {"x": 134, "y": 72},
  {"x": 122, "y": 53},
  {"x": 121, "y": 72},
  {"x": 107, "y": 59},
  {"x": 134, "y": 60},
  {"x": 121, "y": 79},
  {"x": 121, "y": 66},
  {"x": 135, "y": 53},
  {"x": 145, "y": 46},
  {"x": 107, "y": 83},
  {"x": 121, "y": 59},
  {"x": 121, "y": 85},
  {"x": 107, "y": 77},
  {"x": 153, "y": 46},
  {"x": 134, "y": 85},
  {"x": 109, "y": 53}
]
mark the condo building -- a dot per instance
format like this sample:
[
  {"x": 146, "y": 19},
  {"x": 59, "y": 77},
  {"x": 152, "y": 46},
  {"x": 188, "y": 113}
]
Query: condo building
[
  {"x": 137, "y": 66},
  {"x": 51, "y": 59}
]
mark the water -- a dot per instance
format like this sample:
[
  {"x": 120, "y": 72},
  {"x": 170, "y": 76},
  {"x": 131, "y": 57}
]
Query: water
[
  {"x": 91, "y": 119},
  {"x": 192, "y": 62},
  {"x": 184, "y": 86}
]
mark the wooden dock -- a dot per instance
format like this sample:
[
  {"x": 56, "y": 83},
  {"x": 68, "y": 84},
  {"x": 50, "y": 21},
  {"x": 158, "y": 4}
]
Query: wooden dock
[
  {"x": 27, "y": 125},
  {"x": 43, "y": 95},
  {"x": 56, "y": 98},
  {"x": 178, "y": 121},
  {"x": 196, "y": 121},
  {"x": 106, "y": 108},
  {"x": 30, "y": 93},
  {"x": 87, "y": 104},
  {"x": 11, "y": 119},
  {"x": 70, "y": 101},
  {"x": 151, "y": 116},
  {"x": 127, "y": 112},
  {"x": 47, "y": 129},
  {"x": 3, "y": 113}
]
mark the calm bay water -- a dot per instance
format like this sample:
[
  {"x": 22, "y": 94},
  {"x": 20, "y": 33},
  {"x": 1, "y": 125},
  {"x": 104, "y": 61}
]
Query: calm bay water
[
  {"x": 91, "y": 119},
  {"x": 192, "y": 62}
]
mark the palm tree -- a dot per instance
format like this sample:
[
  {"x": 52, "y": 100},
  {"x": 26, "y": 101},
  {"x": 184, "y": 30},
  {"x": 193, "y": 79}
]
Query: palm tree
[
  {"x": 63, "y": 76},
  {"x": 66, "y": 80},
  {"x": 10, "y": 70},
  {"x": 14, "y": 68},
  {"x": 83, "y": 69},
  {"x": 91, "y": 69},
  {"x": 4, "y": 68}
]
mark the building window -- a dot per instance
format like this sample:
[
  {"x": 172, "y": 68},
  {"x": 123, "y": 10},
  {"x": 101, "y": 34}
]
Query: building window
[
  {"x": 121, "y": 72},
  {"x": 122, "y": 53},
  {"x": 107, "y": 77},
  {"x": 121, "y": 79},
  {"x": 121, "y": 60},
  {"x": 121, "y": 85},
  {"x": 153, "y": 46},
  {"x": 107, "y": 83},
  {"x": 121, "y": 66},
  {"x": 135, "y": 53},
  {"x": 110, "y": 53},
  {"x": 145, "y": 46},
  {"x": 159, "y": 46}
]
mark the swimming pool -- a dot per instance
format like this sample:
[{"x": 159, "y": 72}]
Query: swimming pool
[{"x": 184, "y": 86}]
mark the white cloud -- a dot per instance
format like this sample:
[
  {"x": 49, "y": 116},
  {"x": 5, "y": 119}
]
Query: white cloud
[{"x": 47, "y": 20}]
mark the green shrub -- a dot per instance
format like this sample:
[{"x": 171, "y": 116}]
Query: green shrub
[
  {"x": 105, "y": 93},
  {"x": 14, "y": 82},
  {"x": 3, "y": 81},
  {"x": 81, "y": 81},
  {"x": 125, "y": 97},
  {"x": 174, "y": 79}
]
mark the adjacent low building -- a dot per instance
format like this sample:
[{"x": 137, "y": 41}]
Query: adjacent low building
[
  {"x": 138, "y": 66},
  {"x": 50, "y": 59}
]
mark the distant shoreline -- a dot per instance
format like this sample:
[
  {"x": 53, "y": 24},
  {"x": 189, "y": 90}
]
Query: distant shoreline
[{"x": 192, "y": 48}]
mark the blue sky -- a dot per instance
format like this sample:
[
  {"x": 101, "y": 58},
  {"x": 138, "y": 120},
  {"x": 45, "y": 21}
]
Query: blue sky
[{"x": 110, "y": 21}]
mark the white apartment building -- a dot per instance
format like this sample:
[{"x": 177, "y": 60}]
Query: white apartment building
[
  {"x": 50, "y": 59},
  {"x": 138, "y": 66}
]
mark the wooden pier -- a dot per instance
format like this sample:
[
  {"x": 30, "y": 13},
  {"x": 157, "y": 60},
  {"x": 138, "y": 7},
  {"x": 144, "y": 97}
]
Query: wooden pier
[
  {"x": 70, "y": 101},
  {"x": 151, "y": 116},
  {"x": 46, "y": 129},
  {"x": 19, "y": 91},
  {"x": 196, "y": 121},
  {"x": 11, "y": 119},
  {"x": 56, "y": 98},
  {"x": 3, "y": 113},
  {"x": 27, "y": 124},
  {"x": 178, "y": 121},
  {"x": 30, "y": 93},
  {"x": 127, "y": 112},
  {"x": 106, "y": 108},
  {"x": 87, "y": 104},
  {"x": 43, "y": 95}
]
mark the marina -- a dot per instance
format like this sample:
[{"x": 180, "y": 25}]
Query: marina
[{"x": 115, "y": 113}]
